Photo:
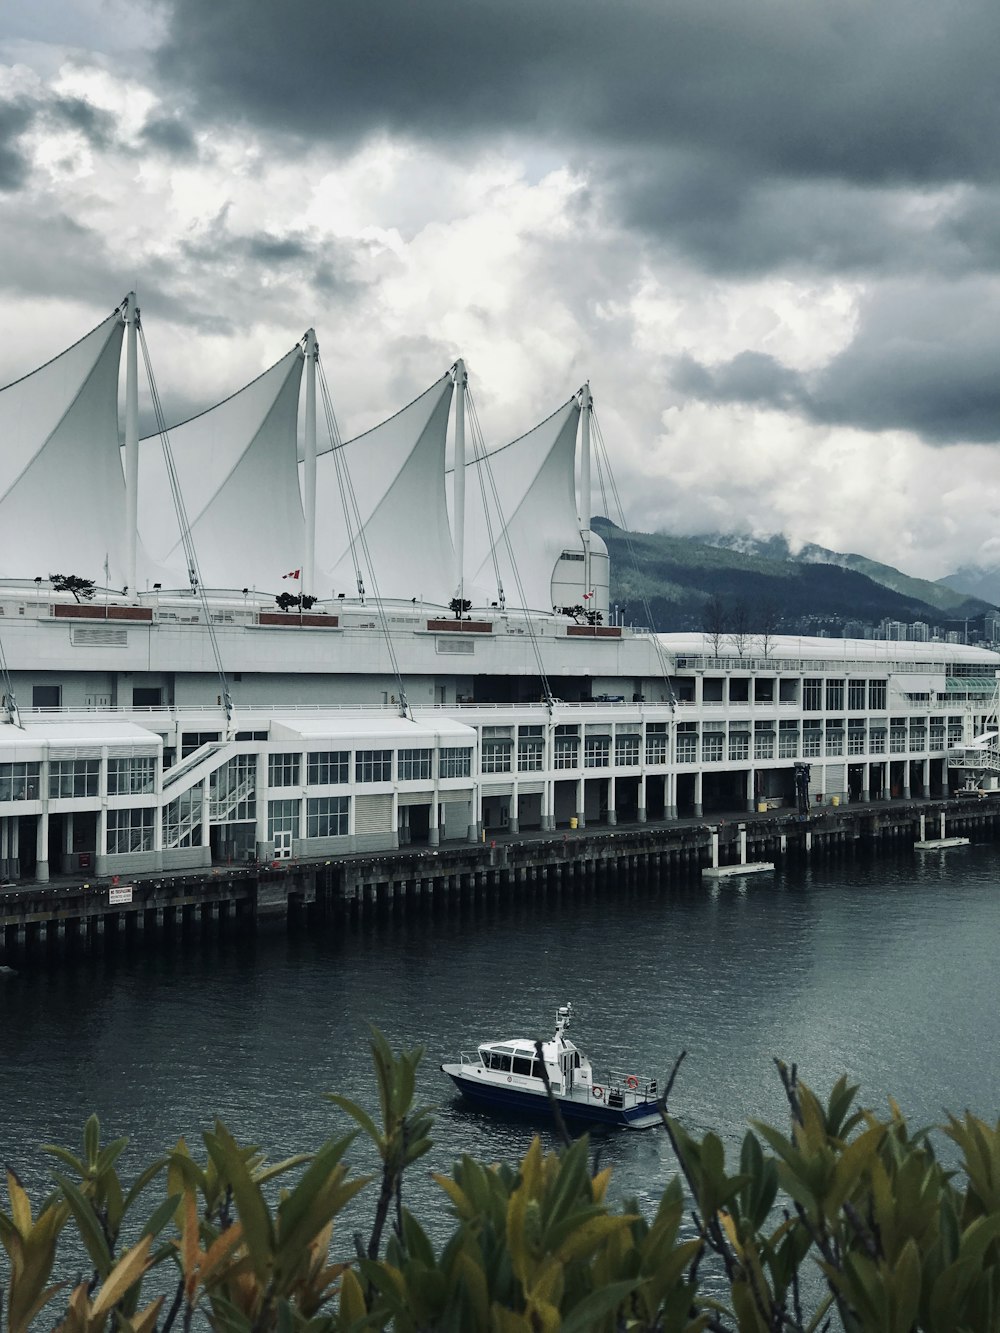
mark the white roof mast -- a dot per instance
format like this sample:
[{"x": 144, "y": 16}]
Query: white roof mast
[
  {"x": 131, "y": 443},
  {"x": 309, "y": 470},
  {"x": 586, "y": 407},
  {"x": 461, "y": 380}
]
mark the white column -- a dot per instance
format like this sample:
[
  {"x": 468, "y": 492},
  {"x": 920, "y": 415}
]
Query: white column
[
  {"x": 309, "y": 469},
  {"x": 131, "y": 443},
  {"x": 42, "y": 848},
  {"x": 461, "y": 380}
]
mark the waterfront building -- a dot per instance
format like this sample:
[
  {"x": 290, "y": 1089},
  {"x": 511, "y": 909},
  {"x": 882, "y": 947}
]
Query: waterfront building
[{"x": 191, "y": 722}]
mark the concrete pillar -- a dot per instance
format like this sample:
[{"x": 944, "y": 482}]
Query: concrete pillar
[
  {"x": 434, "y": 832},
  {"x": 670, "y": 795},
  {"x": 925, "y": 775},
  {"x": 612, "y": 796},
  {"x": 513, "y": 820},
  {"x": 743, "y": 844},
  {"x": 944, "y": 824},
  {"x": 751, "y": 806},
  {"x": 923, "y": 828},
  {"x": 42, "y": 848},
  {"x": 715, "y": 849},
  {"x": 581, "y": 804},
  {"x": 698, "y": 783},
  {"x": 866, "y": 790},
  {"x": 641, "y": 812}
]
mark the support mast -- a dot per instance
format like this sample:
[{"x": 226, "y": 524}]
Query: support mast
[
  {"x": 309, "y": 471},
  {"x": 586, "y": 407},
  {"x": 131, "y": 442},
  {"x": 461, "y": 380}
]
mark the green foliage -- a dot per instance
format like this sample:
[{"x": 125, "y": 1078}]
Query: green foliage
[{"x": 842, "y": 1219}]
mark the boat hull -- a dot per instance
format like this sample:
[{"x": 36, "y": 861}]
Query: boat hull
[{"x": 509, "y": 1097}]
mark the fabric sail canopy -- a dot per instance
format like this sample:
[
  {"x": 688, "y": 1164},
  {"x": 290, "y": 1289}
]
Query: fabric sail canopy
[
  {"x": 236, "y": 466},
  {"x": 397, "y": 472},
  {"x": 62, "y": 488},
  {"x": 535, "y": 485}
]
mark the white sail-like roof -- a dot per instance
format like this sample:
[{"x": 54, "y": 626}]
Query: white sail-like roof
[
  {"x": 238, "y": 473},
  {"x": 62, "y": 489},
  {"x": 397, "y": 471},
  {"x": 534, "y": 482}
]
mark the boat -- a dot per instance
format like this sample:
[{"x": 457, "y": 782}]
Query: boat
[{"x": 508, "y": 1076}]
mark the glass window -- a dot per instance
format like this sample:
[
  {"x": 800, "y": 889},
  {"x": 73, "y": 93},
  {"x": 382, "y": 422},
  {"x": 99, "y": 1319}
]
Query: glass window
[
  {"x": 522, "y": 1065},
  {"x": 763, "y": 745},
  {"x": 19, "y": 782},
  {"x": 130, "y": 831},
  {"x": 656, "y": 742},
  {"x": 596, "y": 751},
  {"x": 856, "y": 696},
  {"x": 566, "y": 752},
  {"x": 455, "y": 762},
  {"x": 282, "y": 817},
  {"x": 626, "y": 751},
  {"x": 182, "y": 820},
  {"x": 788, "y": 743},
  {"x": 712, "y": 747},
  {"x": 876, "y": 741},
  {"x": 414, "y": 766},
  {"x": 283, "y": 770},
  {"x": 76, "y": 777},
  {"x": 328, "y": 768},
  {"x": 739, "y": 745},
  {"x": 812, "y": 741},
  {"x": 232, "y": 790},
  {"x": 812, "y": 695},
  {"x": 876, "y": 695},
  {"x": 834, "y": 741},
  {"x": 373, "y": 766},
  {"x": 326, "y": 816},
  {"x": 497, "y": 754},
  {"x": 45, "y": 696},
  {"x": 127, "y": 776},
  {"x": 834, "y": 696},
  {"x": 856, "y": 740},
  {"x": 530, "y": 753},
  {"x": 687, "y": 750}
]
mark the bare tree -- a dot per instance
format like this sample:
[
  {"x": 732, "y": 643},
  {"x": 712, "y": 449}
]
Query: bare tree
[
  {"x": 768, "y": 619},
  {"x": 713, "y": 623},
  {"x": 740, "y": 634}
]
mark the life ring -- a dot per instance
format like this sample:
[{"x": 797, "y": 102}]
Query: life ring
[
  {"x": 598, "y": 1091},
  {"x": 509, "y": 1079},
  {"x": 632, "y": 1082}
]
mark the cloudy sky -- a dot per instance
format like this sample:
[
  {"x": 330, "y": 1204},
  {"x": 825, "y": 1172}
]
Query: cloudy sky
[{"x": 768, "y": 232}]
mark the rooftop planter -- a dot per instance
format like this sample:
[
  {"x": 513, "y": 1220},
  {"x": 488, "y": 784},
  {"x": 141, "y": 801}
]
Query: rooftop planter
[{"x": 594, "y": 631}]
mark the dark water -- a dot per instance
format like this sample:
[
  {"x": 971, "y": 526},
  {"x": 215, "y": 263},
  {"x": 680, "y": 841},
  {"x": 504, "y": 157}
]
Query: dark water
[{"x": 885, "y": 970}]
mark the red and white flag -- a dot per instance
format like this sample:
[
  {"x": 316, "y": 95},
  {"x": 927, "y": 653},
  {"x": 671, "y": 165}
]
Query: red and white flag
[
  {"x": 293, "y": 574},
  {"x": 587, "y": 596}
]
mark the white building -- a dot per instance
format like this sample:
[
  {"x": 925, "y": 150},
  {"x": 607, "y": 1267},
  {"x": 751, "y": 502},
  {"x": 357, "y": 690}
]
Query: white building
[{"x": 167, "y": 727}]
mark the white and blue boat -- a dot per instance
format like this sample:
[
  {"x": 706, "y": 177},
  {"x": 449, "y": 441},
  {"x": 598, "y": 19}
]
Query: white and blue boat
[{"x": 508, "y": 1076}]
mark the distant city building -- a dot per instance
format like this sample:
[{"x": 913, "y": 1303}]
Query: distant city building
[{"x": 920, "y": 631}]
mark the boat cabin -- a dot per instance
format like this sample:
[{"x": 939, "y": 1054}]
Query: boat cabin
[{"x": 562, "y": 1059}]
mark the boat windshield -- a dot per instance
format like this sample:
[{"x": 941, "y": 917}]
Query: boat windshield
[{"x": 507, "y": 1061}]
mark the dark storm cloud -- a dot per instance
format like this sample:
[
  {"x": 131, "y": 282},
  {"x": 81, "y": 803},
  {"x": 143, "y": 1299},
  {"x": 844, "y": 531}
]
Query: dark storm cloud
[
  {"x": 94, "y": 123},
  {"x": 924, "y": 362},
  {"x": 15, "y": 118},
  {"x": 170, "y": 135},
  {"x": 899, "y": 91}
]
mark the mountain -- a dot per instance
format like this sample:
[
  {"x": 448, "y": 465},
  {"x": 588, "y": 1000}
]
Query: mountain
[
  {"x": 811, "y": 591},
  {"x": 976, "y": 581},
  {"x": 943, "y": 596}
]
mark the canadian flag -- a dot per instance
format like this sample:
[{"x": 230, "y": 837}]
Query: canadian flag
[
  {"x": 587, "y": 596},
  {"x": 293, "y": 574}
]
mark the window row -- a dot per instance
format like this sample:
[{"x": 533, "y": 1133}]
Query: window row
[
  {"x": 330, "y": 768},
  {"x": 326, "y": 817}
]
